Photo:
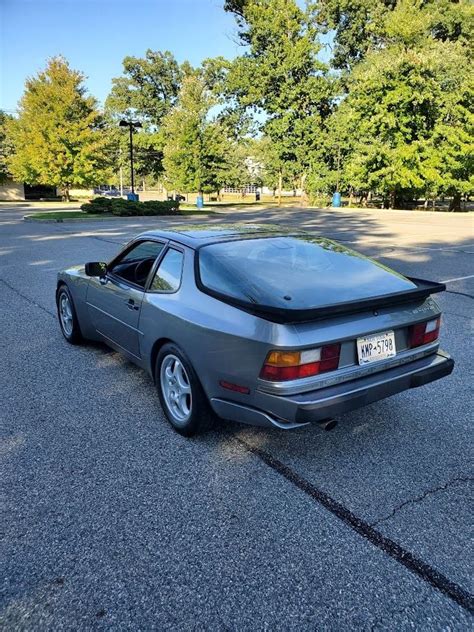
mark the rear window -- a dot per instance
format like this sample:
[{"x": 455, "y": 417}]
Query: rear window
[{"x": 294, "y": 272}]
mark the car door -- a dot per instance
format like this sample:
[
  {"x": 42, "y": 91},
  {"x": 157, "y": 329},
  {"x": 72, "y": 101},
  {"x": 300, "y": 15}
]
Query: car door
[{"x": 114, "y": 302}]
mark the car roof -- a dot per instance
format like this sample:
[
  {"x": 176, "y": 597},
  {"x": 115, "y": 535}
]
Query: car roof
[{"x": 197, "y": 235}]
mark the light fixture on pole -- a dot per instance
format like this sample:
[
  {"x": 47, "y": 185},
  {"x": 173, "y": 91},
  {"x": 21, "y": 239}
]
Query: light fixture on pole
[{"x": 131, "y": 126}]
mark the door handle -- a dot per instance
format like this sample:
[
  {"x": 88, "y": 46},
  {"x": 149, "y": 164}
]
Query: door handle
[{"x": 131, "y": 304}]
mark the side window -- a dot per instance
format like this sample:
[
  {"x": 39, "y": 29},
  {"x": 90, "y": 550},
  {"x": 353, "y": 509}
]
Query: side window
[
  {"x": 168, "y": 275},
  {"x": 136, "y": 264},
  {"x": 143, "y": 250}
]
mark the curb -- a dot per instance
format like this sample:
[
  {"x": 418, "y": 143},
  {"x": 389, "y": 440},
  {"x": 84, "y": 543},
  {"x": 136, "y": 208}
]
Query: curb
[{"x": 35, "y": 220}]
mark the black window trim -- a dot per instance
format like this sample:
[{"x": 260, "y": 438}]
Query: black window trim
[
  {"x": 125, "y": 251},
  {"x": 171, "y": 245},
  {"x": 422, "y": 291}
]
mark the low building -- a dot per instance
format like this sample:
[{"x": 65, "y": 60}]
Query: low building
[
  {"x": 17, "y": 191},
  {"x": 12, "y": 191}
]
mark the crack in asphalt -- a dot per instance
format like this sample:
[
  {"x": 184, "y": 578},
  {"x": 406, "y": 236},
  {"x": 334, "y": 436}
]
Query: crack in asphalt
[
  {"x": 27, "y": 298},
  {"x": 460, "y": 293},
  {"x": 421, "y": 497},
  {"x": 415, "y": 565},
  {"x": 110, "y": 241}
]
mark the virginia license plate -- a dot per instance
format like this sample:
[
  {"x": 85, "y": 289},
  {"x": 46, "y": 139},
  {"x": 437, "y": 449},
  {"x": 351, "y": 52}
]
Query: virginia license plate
[{"x": 376, "y": 347}]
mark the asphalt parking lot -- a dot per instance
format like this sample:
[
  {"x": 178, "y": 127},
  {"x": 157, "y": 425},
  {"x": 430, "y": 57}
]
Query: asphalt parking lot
[{"x": 113, "y": 521}]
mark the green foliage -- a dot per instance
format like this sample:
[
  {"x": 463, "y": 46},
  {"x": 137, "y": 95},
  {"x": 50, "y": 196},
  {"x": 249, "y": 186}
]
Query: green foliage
[
  {"x": 58, "y": 137},
  {"x": 282, "y": 78},
  {"x": 148, "y": 88},
  {"x": 6, "y": 148},
  {"x": 195, "y": 147},
  {"x": 357, "y": 24},
  {"x": 360, "y": 26},
  {"x": 128, "y": 208},
  {"x": 405, "y": 124},
  {"x": 146, "y": 92}
]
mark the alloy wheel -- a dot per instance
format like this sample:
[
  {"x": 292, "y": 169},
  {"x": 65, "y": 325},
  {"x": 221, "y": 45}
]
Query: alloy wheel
[
  {"x": 176, "y": 388},
  {"x": 65, "y": 314}
]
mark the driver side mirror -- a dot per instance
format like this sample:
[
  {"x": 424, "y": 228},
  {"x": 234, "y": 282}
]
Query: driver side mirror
[{"x": 96, "y": 269}]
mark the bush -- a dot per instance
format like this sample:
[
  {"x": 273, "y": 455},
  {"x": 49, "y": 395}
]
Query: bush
[
  {"x": 127, "y": 208},
  {"x": 97, "y": 205},
  {"x": 321, "y": 201}
]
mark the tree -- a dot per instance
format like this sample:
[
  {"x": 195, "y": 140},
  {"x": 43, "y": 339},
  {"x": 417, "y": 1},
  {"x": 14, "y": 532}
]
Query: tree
[
  {"x": 146, "y": 92},
  {"x": 359, "y": 25},
  {"x": 405, "y": 118},
  {"x": 6, "y": 148},
  {"x": 194, "y": 146},
  {"x": 281, "y": 78},
  {"x": 149, "y": 87},
  {"x": 58, "y": 137}
]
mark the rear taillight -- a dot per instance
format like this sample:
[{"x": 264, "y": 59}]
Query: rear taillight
[
  {"x": 424, "y": 333},
  {"x": 281, "y": 366}
]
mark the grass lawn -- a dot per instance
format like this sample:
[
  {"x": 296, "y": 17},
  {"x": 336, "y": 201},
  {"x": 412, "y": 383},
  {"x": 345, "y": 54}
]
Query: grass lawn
[
  {"x": 62, "y": 215},
  {"x": 237, "y": 205}
]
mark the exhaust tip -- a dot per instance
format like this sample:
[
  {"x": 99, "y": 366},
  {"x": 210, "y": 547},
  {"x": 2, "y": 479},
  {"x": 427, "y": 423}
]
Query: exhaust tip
[{"x": 327, "y": 424}]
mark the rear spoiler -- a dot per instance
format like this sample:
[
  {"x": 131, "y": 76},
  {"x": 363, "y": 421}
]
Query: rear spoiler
[{"x": 422, "y": 291}]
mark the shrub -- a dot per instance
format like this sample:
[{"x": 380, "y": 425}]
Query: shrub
[
  {"x": 97, "y": 205},
  {"x": 127, "y": 208},
  {"x": 321, "y": 201}
]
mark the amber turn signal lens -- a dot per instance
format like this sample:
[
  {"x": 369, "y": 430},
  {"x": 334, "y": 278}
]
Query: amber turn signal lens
[{"x": 283, "y": 358}]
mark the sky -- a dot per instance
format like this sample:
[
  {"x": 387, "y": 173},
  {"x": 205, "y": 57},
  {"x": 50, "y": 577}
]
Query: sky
[{"x": 95, "y": 36}]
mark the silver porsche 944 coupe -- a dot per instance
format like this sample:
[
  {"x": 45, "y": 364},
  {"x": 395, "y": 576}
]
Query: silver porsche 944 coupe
[{"x": 256, "y": 324}]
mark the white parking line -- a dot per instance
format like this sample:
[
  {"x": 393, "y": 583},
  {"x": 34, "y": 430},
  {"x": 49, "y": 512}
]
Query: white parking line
[{"x": 458, "y": 279}]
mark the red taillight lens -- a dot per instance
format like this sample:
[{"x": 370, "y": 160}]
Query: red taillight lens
[
  {"x": 281, "y": 366},
  {"x": 329, "y": 358},
  {"x": 424, "y": 333}
]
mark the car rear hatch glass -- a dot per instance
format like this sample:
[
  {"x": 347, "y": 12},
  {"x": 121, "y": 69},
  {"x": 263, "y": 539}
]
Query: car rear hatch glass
[{"x": 294, "y": 278}]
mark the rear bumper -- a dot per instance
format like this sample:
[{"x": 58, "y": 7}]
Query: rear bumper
[{"x": 296, "y": 410}]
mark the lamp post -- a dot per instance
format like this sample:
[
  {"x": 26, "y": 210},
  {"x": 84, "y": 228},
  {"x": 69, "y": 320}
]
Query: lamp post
[{"x": 131, "y": 126}]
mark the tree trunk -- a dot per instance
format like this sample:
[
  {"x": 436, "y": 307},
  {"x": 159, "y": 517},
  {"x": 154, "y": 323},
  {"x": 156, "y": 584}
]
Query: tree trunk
[
  {"x": 304, "y": 195},
  {"x": 455, "y": 204},
  {"x": 391, "y": 200},
  {"x": 279, "y": 188},
  {"x": 351, "y": 197},
  {"x": 67, "y": 197}
]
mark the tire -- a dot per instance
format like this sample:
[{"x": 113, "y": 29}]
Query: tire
[
  {"x": 67, "y": 316},
  {"x": 181, "y": 395}
]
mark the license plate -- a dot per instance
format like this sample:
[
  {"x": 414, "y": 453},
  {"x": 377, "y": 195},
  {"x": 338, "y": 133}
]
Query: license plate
[{"x": 376, "y": 347}]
